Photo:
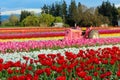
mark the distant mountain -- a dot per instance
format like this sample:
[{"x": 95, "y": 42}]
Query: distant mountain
[
  {"x": 6, "y": 14},
  {"x": 5, "y": 17},
  {"x": 18, "y": 11}
]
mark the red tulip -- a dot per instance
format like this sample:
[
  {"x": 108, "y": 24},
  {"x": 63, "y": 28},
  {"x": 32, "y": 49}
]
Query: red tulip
[
  {"x": 95, "y": 73},
  {"x": 1, "y": 60},
  {"x": 36, "y": 77},
  {"x": 38, "y": 71},
  {"x": 1, "y": 67},
  {"x": 82, "y": 74},
  {"x": 41, "y": 56},
  {"x": 118, "y": 73},
  {"x": 88, "y": 78},
  {"x": 10, "y": 71},
  {"x": 48, "y": 71},
  {"x": 29, "y": 68},
  {"x": 21, "y": 77},
  {"x": 61, "y": 78}
]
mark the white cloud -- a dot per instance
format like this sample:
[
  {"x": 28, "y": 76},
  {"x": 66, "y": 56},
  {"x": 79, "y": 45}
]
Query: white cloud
[
  {"x": 18, "y": 11},
  {"x": 117, "y": 5}
]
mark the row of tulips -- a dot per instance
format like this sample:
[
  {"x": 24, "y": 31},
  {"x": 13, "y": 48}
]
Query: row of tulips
[
  {"x": 51, "y": 29},
  {"x": 90, "y": 64},
  {"x": 109, "y": 31},
  {"x": 106, "y": 28},
  {"x": 30, "y": 29},
  {"x": 31, "y": 35},
  {"x": 34, "y": 39},
  {"x": 47, "y": 34},
  {"x": 16, "y": 56},
  {"x": 110, "y": 35},
  {"x": 54, "y": 44}
]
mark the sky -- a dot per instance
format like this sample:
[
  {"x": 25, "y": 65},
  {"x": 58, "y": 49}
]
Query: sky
[{"x": 15, "y": 6}]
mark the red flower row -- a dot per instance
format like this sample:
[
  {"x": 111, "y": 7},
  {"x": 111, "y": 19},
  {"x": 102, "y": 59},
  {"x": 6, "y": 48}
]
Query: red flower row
[
  {"x": 109, "y": 31},
  {"x": 31, "y": 35}
]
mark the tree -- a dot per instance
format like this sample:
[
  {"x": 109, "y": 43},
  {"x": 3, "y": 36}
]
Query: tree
[
  {"x": 114, "y": 15},
  {"x": 45, "y": 9},
  {"x": 13, "y": 19},
  {"x": 46, "y": 19},
  {"x": 110, "y": 11},
  {"x": 31, "y": 21},
  {"x": 64, "y": 11},
  {"x": 118, "y": 12},
  {"x": 52, "y": 10},
  {"x": 24, "y": 14},
  {"x": 57, "y": 9},
  {"x": 6, "y": 23},
  {"x": 73, "y": 12},
  {"x": 58, "y": 19}
]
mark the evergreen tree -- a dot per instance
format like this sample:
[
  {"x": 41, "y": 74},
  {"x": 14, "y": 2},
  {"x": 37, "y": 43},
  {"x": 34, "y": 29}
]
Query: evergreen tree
[
  {"x": 73, "y": 13},
  {"x": 45, "y": 9},
  {"x": 57, "y": 9},
  {"x": 52, "y": 10},
  {"x": 64, "y": 11},
  {"x": 24, "y": 14},
  {"x": 108, "y": 10}
]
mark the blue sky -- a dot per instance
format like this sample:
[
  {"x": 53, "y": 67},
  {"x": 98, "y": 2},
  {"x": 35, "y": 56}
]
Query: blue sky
[{"x": 21, "y": 4}]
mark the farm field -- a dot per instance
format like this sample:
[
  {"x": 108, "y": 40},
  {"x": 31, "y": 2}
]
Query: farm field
[
  {"x": 43, "y": 54},
  {"x": 36, "y": 33}
]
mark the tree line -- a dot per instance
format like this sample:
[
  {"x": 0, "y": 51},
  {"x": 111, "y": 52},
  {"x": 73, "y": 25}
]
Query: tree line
[{"x": 71, "y": 15}]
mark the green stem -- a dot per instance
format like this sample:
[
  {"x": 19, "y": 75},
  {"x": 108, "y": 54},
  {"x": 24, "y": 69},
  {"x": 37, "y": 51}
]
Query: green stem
[{"x": 45, "y": 76}]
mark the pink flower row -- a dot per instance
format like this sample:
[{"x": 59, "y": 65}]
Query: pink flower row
[{"x": 55, "y": 44}]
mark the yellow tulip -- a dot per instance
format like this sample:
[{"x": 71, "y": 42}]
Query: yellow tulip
[{"x": 110, "y": 35}]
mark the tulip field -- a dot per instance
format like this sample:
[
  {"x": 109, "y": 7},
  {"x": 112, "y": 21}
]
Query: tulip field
[{"x": 34, "y": 53}]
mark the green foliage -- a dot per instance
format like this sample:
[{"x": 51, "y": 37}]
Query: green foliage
[
  {"x": 31, "y": 21},
  {"x": 71, "y": 14},
  {"x": 6, "y": 23},
  {"x": 45, "y": 9},
  {"x": 24, "y": 14},
  {"x": 118, "y": 12},
  {"x": 64, "y": 11},
  {"x": 46, "y": 19},
  {"x": 13, "y": 19},
  {"x": 58, "y": 19},
  {"x": 66, "y": 25},
  {"x": 110, "y": 11},
  {"x": 57, "y": 9}
]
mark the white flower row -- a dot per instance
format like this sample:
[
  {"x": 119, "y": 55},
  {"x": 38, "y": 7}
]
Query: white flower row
[{"x": 16, "y": 56}]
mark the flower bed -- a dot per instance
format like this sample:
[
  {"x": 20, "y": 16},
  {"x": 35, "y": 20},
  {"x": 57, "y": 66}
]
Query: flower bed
[
  {"x": 34, "y": 39},
  {"x": 35, "y": 32},
  {"x": 31, "y": 35},
  {"x": 16, "y": 56},
  {"x": 53, "y": 44},
  {"x": 60, "y": 59},
  {"x": 30, "y": 29},
  {"x": 109, "y": 31},
  {"x": 110, "y": 35},
  {"x": 87, "y": 64}
]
